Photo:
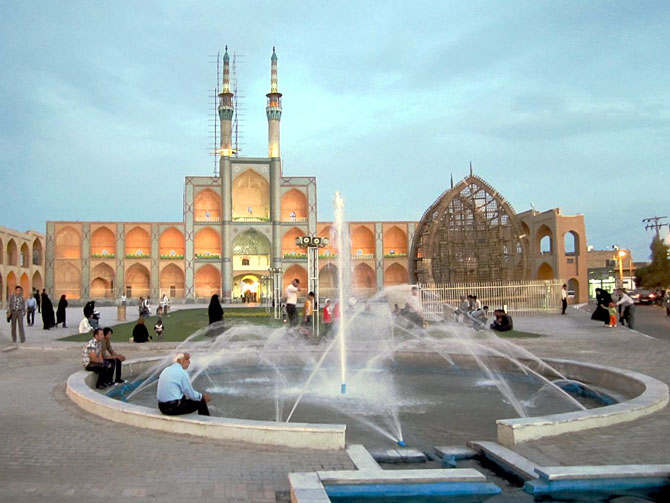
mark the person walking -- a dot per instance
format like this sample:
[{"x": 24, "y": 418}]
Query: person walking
[
  {"x": 60, "y": 312},
  {"x": 16, "y": 308},
  {"x": 564, "y": 298},
  {"x": 291, "y": 301},
  {"x": 31, "y": 307},
  {"x": 48, "y": 318},
  {"x": 36, "y": 295},
  {"x": 214, "y": 310}
]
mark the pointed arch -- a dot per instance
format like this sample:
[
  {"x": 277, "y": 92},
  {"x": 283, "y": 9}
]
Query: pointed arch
[
  {"x": 138, "y": 242},
  {"x": 103, "y": 242},
  {"x": 207, "y": 206},
  {"x": 363, "y": 282},
  {"x": 294, "y": 206},
  {"x": 395, "y": 241},
  {"x": 362, "y": 241},
  {"x": 207, "y": 243},
  {"x": 462, "y": 237},
  {"x": 328, "y": 231},
  {"x": 24, "y": 257},
  {"x": 67, "y": 280},
  {"x": 251, "y": 197},
  {"x": 571, "y": 243},
  {"x": 172, "y": 281},
  {"x": 288, "y": 246},
  {"x": 138, "y": 281},
  {"x": 68, "y": 243},
  {"x": 171, "y": 243},
  {"x": 545, "y": 272},
  {"x": 12, "y": 253},
  {"x": 102, "y": 282},
  {"x": 25, "y": 284},
  {"x": 38, "y": 283},
  {"x": 11, "y": 283},
  {"x": 544, "y": 241},
  {"x": 38, "y": 252},
  {"x": 395, "y": 274},
  {"x": 207, "y": 281},
  {"x": 328, "y": 281},
  {"x": 293, "y": 272}
]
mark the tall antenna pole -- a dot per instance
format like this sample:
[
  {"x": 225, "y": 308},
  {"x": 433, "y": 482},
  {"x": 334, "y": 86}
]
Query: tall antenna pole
[{"x": 656, "y": 224}]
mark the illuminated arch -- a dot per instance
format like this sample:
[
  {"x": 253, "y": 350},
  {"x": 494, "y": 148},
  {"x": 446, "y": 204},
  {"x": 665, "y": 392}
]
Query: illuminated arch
[
  {"x": 38, "y": 252},
  {"x": 329, "y": 232},
  {"x": 207, "y": 206},
  {"x": 138, "y": 281},
  {"x": 25, "y": 284},
  {"x": 363, "y": 282},
  {"x": 207, "y": 281},
  {"x": 362, "y": 241},
  {"x": 295, "y": 271},
  {"x": 395, "y": 274},
  {"x": 11, "y": 283},
  {"x": 172, "y": 281},
  {"x": 207, "y": 243},
  {"x": 470, "y": 233},
  {"x": 103, "y": 242},
  {"x": 102, "y": 282},
  {"x": 67, "y": 280},
  {"x": 68, "y": 244},
  {"x": 294, "y": 206},
  {"x": 12, "y": 253},
  {"x": 395, "y": 241},
  {"x": 171, "y": 243},
  {"x": 251, "y": 196},
  {"x": 138, "y": 242},
  {"x": 328, "y": 281},
  {"x": 288, "y": 245}
]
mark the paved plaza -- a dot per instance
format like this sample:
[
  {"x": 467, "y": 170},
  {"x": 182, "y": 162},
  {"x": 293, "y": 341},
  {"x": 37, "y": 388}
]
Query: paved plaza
[{"x": 53, "y": 451}]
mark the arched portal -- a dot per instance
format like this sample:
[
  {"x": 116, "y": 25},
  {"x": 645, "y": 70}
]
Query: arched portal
[
  {"x": 362, "y": 242},
  {"x": 12, "y": 253},
  {"x": 25, "y": 284},
  {"x": 247, "y": 287},
  {"x": 363, "y": 282},
  {"x": 395, "y": 242},
  {"x": 102, "y": 282},
  {"x": 171, "y": 244},
  {"x": 67, "y": 280},
  {"x": 251, "y": 197},
  {"x": 571, "y": 242},
  {"x": 68, "y": 244},
  {"x": 207, "y": 281},
  {"x": 24, "y": 258},
  {"x": 11, "y": 284},
  {"x": 103, "y": 242},
  {"x": 251, "y": 249},
  {"x": 544, "y": 241},
  {"x": 330, "y": 250},
  {"x": 395, "y": 274},
  {"x": 207, "y": 243},
  {"x": 294, "y": 206},
  {"x": 138, "y": 281},
  {"x": 293, "y": 272},
  {"x": 573, "y": 289},
  {"x": 328, "y": 281},
  {"x": 38, "y": 253},
  {"x": 138, "y": 243},
  {"x": 38, "y": 283},
  {"x": 545, "y": 272},
  {"x": 172, "y": 282},
  {"x": 207, "y": 206},
  {"x": 288, "y": 246}
]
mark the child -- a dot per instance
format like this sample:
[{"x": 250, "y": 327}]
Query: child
[
  {"x": 613, "y": 314},
  {"x": 327, "y": 318},
  {"x": 158, "y": 329}
]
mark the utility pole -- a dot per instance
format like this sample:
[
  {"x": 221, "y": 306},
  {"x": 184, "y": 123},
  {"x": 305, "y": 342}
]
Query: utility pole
[{"x": 656, "y": 224}]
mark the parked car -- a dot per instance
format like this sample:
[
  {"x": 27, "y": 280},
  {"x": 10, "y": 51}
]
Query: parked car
[{"x": 644, "y": 296}]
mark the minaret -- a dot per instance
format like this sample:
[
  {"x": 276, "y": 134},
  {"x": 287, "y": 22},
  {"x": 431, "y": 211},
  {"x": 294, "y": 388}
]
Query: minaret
[
  {"x": 273, "y": 111},
  {"x": 226, "y": 110}
]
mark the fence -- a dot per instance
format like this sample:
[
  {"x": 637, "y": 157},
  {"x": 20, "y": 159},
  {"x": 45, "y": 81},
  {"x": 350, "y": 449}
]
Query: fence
[{"x": 519, "y": 297}]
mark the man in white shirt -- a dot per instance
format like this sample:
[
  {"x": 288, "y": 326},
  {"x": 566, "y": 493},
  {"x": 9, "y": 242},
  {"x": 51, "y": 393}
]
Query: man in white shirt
[
  {"x": 175, "y": 393},
  {"x": 415, "y": 307},
  {"x": 627, "y": 306},
  {"x": 564, "y": 298},
  {"x": 292, "y": 300}
]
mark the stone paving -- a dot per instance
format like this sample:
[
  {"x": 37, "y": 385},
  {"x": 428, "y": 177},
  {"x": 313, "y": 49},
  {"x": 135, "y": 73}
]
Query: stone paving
[{"x": 52, "y": 451}]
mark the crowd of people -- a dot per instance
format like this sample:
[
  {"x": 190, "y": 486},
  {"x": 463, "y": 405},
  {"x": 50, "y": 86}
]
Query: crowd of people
[{"x": 610, "y": 307}]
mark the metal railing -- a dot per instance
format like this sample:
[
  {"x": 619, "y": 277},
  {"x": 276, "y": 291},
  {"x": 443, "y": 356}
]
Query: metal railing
[{"x": 517, "y": 297}]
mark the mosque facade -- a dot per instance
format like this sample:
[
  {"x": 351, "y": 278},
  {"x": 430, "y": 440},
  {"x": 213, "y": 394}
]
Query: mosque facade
[{"x": 236, "y": 228}]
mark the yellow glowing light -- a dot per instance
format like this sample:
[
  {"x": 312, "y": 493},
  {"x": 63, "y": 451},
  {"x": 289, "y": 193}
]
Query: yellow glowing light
[{"x": 622, "y": 253}]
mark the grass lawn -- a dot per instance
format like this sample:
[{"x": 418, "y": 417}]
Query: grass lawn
[
  {"x": 515, "y": 334},
  {"x": 180, "y": 324}
]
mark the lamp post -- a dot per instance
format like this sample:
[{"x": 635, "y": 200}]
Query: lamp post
[
  {"x": 276, "y": 275},
  {"x": 620, "y": 254},
  {"x": 313, "y": 243}
]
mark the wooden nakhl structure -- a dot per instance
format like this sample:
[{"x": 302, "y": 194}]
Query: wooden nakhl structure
[{"x": 469, "y": 234}]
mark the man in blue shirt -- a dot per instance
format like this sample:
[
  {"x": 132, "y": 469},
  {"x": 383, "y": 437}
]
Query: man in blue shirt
[{"x": 175, "y": 393}]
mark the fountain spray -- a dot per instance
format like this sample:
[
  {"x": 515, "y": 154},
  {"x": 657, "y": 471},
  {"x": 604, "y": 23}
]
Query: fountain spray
[{"x": 342, "y": 255}]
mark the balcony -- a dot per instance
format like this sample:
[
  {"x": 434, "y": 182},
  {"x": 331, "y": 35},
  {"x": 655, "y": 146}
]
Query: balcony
[{"x": 362, "y": 256}]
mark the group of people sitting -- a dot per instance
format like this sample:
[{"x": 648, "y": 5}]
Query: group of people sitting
[
  {"x": 99, "y": 357},
  {"x": 470, "y": 309}
]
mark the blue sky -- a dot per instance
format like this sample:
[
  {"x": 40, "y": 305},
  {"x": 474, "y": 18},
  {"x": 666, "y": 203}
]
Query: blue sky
[{"x": 106, "y": 105}]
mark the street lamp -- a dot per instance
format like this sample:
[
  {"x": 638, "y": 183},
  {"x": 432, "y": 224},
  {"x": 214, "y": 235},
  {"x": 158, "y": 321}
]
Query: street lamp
[{"x": 313, "y": 243}]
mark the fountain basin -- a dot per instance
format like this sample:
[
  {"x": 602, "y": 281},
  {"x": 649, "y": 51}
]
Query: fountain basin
[{"x": 642, "y": 394}]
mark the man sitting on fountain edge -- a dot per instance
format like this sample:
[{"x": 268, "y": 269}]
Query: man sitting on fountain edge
[{"x": 175, "y": 393}]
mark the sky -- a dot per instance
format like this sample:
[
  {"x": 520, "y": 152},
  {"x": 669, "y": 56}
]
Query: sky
[{"x": 106, "y": 106}]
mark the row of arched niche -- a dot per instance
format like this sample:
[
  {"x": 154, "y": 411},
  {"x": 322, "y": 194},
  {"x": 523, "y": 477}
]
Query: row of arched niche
[
  {"x": 207, "y": 242},
  {"x": 21, "y": 257}
]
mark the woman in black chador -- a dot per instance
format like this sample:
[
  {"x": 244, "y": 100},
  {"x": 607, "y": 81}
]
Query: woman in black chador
[
  {"x": 60, "y": 312},
  {"x": 48, "y": 318},
  {"x": 603, "y": 298},
  {"x": 215, "y": 310}
]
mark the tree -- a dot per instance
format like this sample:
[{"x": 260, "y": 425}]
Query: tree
[{"x": 656, "y": 274}]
